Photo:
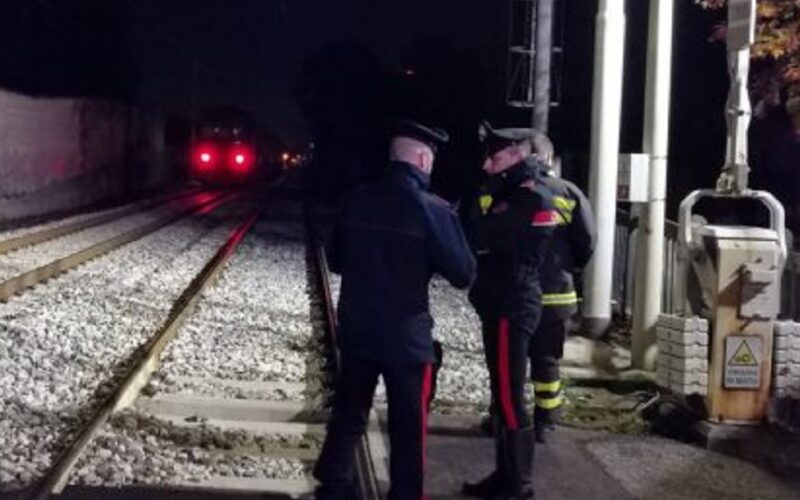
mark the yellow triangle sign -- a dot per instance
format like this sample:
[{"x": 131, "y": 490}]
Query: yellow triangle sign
[{"x": 743, "y": 356}]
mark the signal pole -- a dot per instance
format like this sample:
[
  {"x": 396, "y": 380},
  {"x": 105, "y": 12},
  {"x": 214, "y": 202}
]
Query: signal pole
[
  {"x": 543, "y": 28},
  {"x": 609, "y": 55},
  {"x": 650, "y": 237}
]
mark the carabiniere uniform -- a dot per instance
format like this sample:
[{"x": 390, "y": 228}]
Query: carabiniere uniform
[
  {"x": 389, "y": 240},
  {"x": 511, "y": 234}
]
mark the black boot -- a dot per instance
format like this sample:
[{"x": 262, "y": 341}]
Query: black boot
[
  {"x": 543, "y": 424},
  {"x": 495, "y": 483},
  {"x": 520, "y": 448}
]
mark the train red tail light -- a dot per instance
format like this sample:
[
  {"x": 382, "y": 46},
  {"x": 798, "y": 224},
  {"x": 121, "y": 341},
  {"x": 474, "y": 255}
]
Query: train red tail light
[
  {"x": 204, "y": 157},
  {"x": 241, "y": 159}
]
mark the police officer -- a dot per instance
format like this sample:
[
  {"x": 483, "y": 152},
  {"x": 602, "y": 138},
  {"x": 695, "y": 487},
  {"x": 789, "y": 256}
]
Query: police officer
[
  {"x": 390, "y": 238},
  {"x": 511, "y": 230},
  {"x": 569, "y": 253}
]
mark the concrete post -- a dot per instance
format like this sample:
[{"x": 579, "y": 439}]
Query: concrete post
[
  {"x": 650, "y": 242},
  {"x": 604, "y": 158}
]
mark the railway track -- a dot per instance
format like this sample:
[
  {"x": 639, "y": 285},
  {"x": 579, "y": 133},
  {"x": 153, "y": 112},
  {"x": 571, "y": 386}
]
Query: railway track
[
  {"x": 141, "y": 223},
  {"x": 57, "y": 229},
  {"x": 202, "y": 424}
]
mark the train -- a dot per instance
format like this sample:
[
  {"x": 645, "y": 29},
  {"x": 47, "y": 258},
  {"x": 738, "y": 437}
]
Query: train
[{"x": 228, "y": 148}]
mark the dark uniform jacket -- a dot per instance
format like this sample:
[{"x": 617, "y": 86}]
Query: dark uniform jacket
[
  {"x": 510, "y": 236},
  {"x": 390, "y": 239},
  {"x": 572, "y": 247}
]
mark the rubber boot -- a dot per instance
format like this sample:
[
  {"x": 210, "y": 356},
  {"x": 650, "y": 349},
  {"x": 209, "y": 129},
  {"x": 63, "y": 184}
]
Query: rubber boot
[
  {"x": 520, "y": 449},
  {"x": 543, "y": 424},
  {"x": 495, "y": 483}
]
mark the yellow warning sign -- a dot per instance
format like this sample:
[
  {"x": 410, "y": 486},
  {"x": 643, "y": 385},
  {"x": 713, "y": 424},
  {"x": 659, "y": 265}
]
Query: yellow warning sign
[{"x": 743, "y": 356}]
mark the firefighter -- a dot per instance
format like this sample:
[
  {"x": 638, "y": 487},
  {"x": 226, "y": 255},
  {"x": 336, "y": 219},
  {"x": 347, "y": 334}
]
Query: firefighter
[
  {"x": 569, "y": 253},
  {"x": 390, "y": 238},
  {"x": 511, "y": 229}
]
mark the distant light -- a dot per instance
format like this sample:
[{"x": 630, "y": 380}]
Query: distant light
[
  {"x": 285, "y": 156},
  {"x": 410, "y": 72},
  {"x": 205, "y": 157},
  {"x": 240, "y": 159}
]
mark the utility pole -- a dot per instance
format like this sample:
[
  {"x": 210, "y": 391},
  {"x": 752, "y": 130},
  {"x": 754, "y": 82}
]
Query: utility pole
[
  {"x": 543, "y": 28},
  {"x": 738, "y": 111},
  {"x": 650, "y": 237},
  {"x": 609, "y": 57}
]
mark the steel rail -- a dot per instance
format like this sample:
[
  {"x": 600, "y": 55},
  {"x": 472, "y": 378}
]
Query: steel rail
[
  {"x": 366, "y": 477},
  {"x": 37, "y": 237},
  {"x": 139, "y": 375},
  {"x": 28, "y": 279}
]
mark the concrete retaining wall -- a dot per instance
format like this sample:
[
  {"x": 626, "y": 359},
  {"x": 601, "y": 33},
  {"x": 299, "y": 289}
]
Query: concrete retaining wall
[{"x": 60, "y": 154}]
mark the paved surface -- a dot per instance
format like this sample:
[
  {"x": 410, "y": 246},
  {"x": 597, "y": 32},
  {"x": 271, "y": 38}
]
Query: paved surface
[
  {"x": 575, "y": 465},
  {"x": 597, "y": 466},
  {"x": 563, "y": 469}
]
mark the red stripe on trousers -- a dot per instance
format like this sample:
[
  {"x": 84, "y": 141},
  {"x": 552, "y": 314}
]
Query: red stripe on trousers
[
  {"x": 424, "y": 397},
  {"x": 504, "y": 375}
]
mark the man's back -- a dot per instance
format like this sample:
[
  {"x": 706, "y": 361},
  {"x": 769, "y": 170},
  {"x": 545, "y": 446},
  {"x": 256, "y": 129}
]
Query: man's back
[{"x": 390, "y": 239}]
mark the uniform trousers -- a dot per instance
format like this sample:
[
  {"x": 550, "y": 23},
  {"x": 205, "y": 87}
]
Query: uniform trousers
[
  {"x": 506, "y": 341},
  {"x": 408, "y": 389},
  {"x": 546, "y": 351}
]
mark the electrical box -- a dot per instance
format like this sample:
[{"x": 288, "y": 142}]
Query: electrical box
[
  {"x": 737, "y": 270},
  {"x": 632, "y": 184}
]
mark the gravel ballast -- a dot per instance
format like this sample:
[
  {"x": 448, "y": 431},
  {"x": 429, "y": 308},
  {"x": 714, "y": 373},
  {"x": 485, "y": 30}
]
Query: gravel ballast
[
  {"x": 61, "y": 345},
  {"x": 27, "y": 259},
  {"x": 253, "y": 327}
]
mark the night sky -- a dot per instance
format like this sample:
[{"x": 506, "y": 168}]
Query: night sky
[
  {"x": 251, "y": 51},
  {"x": 255, "y": 53}
]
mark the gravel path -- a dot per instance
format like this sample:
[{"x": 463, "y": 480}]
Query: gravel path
[
  {"x": 253, "y": 327},
  {"x": 60, "y": 344}
]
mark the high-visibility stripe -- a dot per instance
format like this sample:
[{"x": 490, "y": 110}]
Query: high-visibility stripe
[
  {"x": 547, "y": 386},
  {"x": 559, "y": 299},
  {"x": 565, "y": 207},
  {"x": 548, "y": 403},
  {"x": 485, "y": 202},
  {"x": 564, "y": 203},
  {"x": 504, "y": 374}
]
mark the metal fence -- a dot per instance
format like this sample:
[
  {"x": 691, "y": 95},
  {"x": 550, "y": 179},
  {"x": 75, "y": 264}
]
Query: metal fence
[
  {"x": 624, "y": 293},
  {"x": 790, "y": 306}
]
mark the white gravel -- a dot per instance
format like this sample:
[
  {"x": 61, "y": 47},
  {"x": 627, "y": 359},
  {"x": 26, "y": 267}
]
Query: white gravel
[
  {"x": 23, "y": 231},
  {"x": 26, "y": 259},
  {"x": 60, "y": 343},
  {"x": 463, "y": 381},
  {"x": 253, "y": 327}
]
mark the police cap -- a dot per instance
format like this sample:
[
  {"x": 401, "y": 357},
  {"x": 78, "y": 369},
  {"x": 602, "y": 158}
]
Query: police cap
[
  {"x": 430, "y": 136},
  {"x": 497, "y": 139}
]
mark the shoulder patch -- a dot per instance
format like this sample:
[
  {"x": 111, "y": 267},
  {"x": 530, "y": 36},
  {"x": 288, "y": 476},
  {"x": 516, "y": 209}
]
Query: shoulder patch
[{"x": 544, "y": 217}]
